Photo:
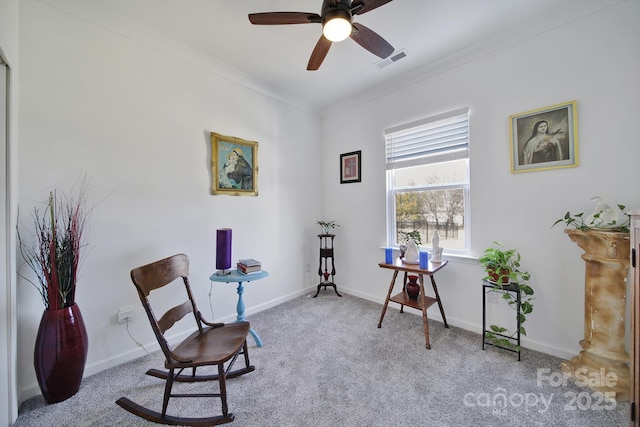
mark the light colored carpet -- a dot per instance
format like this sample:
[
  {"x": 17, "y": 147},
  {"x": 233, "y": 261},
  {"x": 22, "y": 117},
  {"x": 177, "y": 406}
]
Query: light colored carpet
[{"x": 325, "y": 363}]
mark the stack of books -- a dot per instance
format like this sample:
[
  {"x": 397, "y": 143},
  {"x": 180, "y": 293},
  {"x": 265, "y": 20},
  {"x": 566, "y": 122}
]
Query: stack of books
[{"x": 249, "y": 265}]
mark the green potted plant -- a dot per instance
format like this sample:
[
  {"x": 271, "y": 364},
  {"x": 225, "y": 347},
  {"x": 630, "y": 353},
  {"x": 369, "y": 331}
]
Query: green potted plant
[
  {"x": 499, "y": 263},
  {"x": 54, "y": 256},
  {"x": 327, "y": 226},
  {"x": 502, "y": 267},
  {"x": 415, "y": 235},
  {"x": 604, "y": 217}
]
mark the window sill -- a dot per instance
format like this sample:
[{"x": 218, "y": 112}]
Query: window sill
[
  {"x": 453, "y": 257},
  {"x": 462, "y": 258}
]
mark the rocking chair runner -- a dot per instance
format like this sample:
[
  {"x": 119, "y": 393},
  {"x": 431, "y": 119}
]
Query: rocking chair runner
[{"x": 212, "y": 344}]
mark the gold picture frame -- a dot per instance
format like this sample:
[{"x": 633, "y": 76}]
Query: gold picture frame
[
  {"x": 544, "y": 139},
  {"x": 234, "y": 166}
]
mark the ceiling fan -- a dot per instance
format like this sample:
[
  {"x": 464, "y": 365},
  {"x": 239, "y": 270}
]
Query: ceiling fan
[{"x": 336, "y": 18}]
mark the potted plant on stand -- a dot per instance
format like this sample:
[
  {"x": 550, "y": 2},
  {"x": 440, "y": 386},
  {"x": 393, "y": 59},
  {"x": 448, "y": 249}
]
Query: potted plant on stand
[
  {"x": 54, "y": 256},
  {"x": 604, "y": 237},
  {"x": 500, "y": 263},
  {"x": 502, "y": 267},
  {"x": 327, "y": 226}
]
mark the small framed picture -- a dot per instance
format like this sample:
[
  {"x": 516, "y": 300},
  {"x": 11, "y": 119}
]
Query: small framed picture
[
  {"x": 350, "y": 167},
  {"x": 234, "y": 166},
  {"x": 543, "y": 139}
]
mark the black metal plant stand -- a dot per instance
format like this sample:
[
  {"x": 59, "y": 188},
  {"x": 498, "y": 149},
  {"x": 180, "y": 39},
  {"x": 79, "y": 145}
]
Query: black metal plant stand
[
  {"x": 509, "y": 287},
  {"x": 326, "y": 254}
]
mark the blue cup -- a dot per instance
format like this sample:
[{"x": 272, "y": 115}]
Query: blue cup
[
  {"x": 424, "y": 259},
  {"x": 388, "y": 255}
]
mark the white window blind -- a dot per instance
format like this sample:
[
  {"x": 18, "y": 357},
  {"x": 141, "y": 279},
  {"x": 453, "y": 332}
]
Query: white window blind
[
  {"x": 428, "y": 180},
  {"x": 431, "y": 140}
]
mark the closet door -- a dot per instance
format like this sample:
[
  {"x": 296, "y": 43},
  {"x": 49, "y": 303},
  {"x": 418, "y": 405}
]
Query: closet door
[{"x": 5, "y": 283}]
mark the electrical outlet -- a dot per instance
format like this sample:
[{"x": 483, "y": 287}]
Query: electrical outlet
[
  {"x": 492, "y": 297},
  {"x": 125, "y": 314}
]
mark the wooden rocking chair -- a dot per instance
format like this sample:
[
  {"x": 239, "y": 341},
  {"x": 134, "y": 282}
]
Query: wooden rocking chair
[{"x": 212, "y": 344}]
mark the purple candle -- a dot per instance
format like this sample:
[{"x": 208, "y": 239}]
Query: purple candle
[{"x": 223, "y": 249}]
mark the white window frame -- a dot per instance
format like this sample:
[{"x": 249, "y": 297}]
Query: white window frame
[{"x": 427, "y": 150}]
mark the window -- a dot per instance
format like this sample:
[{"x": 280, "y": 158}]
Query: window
[{"x": 428, "y": 180}]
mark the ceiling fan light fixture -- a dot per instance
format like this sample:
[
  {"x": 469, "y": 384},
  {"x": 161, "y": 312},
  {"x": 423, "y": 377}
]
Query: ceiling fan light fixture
[
  {"x": 336, "y": 17},
  {"x": 337, "y": 25}
]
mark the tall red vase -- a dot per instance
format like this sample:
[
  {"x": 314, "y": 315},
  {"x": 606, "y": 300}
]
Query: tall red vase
[
  {"x": 60, "y": 353},
  {"x": 413, "y": 287}
]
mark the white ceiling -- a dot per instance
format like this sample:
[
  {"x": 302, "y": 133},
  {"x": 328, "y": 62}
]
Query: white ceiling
[{"x": 431, "y": 32}]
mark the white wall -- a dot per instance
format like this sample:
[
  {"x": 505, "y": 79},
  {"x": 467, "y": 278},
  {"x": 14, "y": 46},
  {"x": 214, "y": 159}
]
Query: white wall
[
  {"x": 134, "y": 111},
  {"x": 593, "y": 60}
]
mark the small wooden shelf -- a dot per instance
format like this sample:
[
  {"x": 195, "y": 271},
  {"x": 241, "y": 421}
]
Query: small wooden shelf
[{"x": 403, "y": 299}]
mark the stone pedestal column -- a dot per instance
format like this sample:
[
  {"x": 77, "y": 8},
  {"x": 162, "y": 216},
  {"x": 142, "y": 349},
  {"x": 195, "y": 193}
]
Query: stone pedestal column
[{"x": 602, "y": 363}]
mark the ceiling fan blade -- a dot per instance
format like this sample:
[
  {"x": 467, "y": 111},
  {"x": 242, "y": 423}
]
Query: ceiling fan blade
[
  {"x": 367, "y": 5},
  {"x": 283, "y": 18},
  {"x": 319, "y": 53},
  {"x": 371, "y": 41}
]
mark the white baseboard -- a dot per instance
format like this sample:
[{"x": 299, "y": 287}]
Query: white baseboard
[
  {"x": 126, "y": 356},
  {"x": 99, "y": 366},
  {"x": 562, "y": 353}
]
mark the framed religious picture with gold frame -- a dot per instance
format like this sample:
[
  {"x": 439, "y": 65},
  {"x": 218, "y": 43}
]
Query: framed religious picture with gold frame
[
  {"x": 543, "y": 139},
  {"x": 234, "y": 166}
]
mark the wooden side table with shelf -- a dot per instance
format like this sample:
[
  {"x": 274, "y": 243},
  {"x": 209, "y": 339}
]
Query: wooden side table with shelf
[
  {"x": 423, "y": 302},
  {"x": 494, "y": 287}
]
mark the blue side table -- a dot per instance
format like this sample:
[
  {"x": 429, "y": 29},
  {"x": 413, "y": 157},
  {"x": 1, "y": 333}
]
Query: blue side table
[{"x": 236, "y": 276}]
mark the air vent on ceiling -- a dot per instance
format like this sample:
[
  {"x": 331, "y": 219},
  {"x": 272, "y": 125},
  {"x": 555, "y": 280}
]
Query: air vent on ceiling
[{"x": 393, "y": 58}]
